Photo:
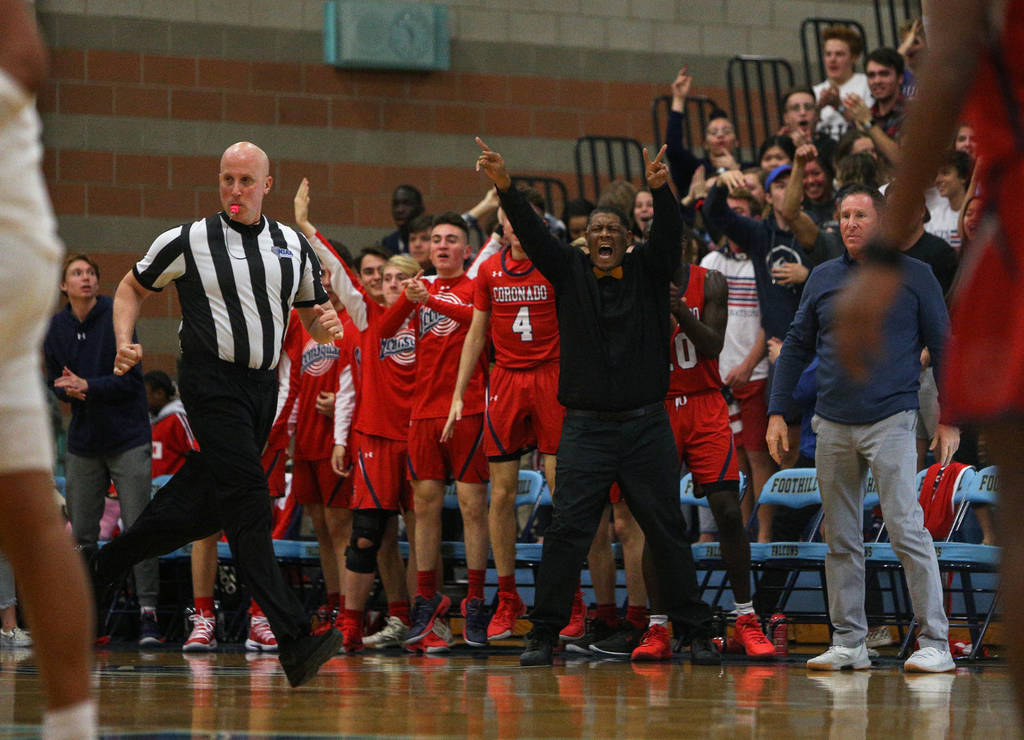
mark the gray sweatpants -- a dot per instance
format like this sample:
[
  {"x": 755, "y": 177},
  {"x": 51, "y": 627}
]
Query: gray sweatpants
[
  {"x": 87, "y": 482},
  {"x": 844, "y": 454},
  {"x": 8, "y": 592}
]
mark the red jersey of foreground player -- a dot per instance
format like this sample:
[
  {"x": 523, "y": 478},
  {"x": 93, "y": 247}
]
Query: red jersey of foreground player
[
  {"x": 691, "y": 372},
  {"x": 524, "y": 319}
]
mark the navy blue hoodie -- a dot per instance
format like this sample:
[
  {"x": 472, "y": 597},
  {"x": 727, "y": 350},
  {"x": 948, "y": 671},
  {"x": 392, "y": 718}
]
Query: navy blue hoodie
[{"x": 114, "y": 416}]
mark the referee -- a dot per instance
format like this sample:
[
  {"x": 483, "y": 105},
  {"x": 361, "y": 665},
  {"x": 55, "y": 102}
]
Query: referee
[
  {"x": 238, "y": 274},
  {"x": 613, "y": 319}
]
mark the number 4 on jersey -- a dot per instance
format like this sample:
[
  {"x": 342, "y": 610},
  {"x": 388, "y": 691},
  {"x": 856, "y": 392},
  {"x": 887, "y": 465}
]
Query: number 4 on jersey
[{"x": 522, "y": 326}]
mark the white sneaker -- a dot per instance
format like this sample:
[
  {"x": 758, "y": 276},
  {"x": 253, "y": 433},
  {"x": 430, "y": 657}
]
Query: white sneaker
[
  {"x": 203, "y": 637},
  {"x": 838, "y": 657},
  {"x": 392, "y": 635},
  {"x": 879, "y": 637},
  {"x": 261, "y": 637},
  {"x": 930, "y": 660},
  {"x": 16, "y": 638}
]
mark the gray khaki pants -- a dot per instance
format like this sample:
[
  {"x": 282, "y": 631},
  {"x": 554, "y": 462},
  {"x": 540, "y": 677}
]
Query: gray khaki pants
[
  {"x": 844, "y": 454},
  {"x": 87, "y": 482},
  {"x": 8, "y": 593}
]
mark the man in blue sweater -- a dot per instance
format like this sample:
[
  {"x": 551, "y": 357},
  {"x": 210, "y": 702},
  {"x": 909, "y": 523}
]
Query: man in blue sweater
[
  {"x": 869, "y": 424},
  {"x": 109, "y": 438}
]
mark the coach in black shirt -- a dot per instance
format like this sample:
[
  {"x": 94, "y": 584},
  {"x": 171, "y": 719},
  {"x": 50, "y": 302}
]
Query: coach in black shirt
[
  {"x": 613, "y": 318},
  {"x": 238, "y": 274}
]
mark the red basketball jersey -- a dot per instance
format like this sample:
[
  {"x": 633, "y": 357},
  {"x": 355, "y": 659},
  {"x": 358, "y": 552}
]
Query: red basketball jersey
[
  {"x": 172, "y": 439},
  {"x": 319, "y": 369},
  {"x": 387, "y": 369},
  {"x": 691, "y": 372},
  {"x": 524, "y": 322}
]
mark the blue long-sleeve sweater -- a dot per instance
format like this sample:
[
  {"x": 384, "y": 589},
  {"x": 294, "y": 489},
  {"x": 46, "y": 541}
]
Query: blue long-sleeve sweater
[
  {"x": 917, "y": 319},
  {"x": 114, "y": 416}
]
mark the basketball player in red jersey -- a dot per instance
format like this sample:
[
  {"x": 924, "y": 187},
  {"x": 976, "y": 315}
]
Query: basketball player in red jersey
[
  {"x": 517, "y": 305},
  {"x": 444, "y": 309},
  {"x": 379, "y": 444},
  {"x": 324, "y": 407},
  {"x": 699, "y": 417},
  {"x": 975, "y": 45}
]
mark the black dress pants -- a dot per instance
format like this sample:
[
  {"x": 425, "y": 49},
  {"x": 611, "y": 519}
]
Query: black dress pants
[
  {"x": 222, "y": 486},
  {"x": 639, "y": 453}
]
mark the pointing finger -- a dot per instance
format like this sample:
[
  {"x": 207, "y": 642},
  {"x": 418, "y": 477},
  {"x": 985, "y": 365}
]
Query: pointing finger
[
  {"x": 647, "y": 159},
  {"x": 482, "y": 145},
  {"x": 661, "y": 153}
]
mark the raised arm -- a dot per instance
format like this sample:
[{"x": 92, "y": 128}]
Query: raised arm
[
  {"x": 743, "y": 231},
  {"x": 802, "y": 225},
  {"x": 665, "y": 245},
  {"x": 544, "y": 249}
]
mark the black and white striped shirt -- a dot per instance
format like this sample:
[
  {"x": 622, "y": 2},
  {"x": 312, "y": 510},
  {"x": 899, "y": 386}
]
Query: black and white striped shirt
[{"x": 236, "y": 285}]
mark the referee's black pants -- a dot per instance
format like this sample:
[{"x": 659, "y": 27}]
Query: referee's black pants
[
  {"x": 222, "y": 486},
  {"x": 640, "y": 453}
]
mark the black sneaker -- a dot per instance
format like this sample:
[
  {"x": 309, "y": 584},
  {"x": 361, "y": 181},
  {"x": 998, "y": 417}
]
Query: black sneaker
[
  {"x": 477, "y": 618},
  {"x": 424, "y": 612},
  {"x": 302, "y": 658},
  {"x": 597, "y": 630},
  {"x": 539, "y": 647},
  {"x": 149, "y": 631},
  {"x": 704, "y": 652},
  {"x": 621, "y": 643}
]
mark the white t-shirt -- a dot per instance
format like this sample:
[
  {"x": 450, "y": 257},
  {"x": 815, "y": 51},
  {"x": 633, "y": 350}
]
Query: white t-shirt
[
  {"x": 943, "y": 222},
  {"x": 830, "y": 120},
  {"x": 744, "y": 311}
]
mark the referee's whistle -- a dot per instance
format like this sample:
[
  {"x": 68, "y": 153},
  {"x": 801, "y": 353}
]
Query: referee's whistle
[{"x": 235, "y": 208}]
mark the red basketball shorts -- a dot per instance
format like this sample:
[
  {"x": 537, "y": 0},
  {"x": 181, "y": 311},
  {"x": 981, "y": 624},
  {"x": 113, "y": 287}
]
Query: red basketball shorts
[
  {"x": 380, "y": 473},
  {"x": 700, "y": 425},
  {"x": 460, "y": 458},
  {"x": 314, "y": 482},
  {"x": 753, "y": 414},
  {"x": 523, "y": 411}
]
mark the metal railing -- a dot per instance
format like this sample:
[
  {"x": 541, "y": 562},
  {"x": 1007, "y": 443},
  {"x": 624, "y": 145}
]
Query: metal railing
[
  {"x": 556, "y": 195},
  {"x": 610, "y": 157},
  {"x": 756, "y": 85}
]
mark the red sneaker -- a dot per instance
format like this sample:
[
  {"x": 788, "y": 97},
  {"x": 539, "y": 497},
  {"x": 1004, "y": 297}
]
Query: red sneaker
[
  {"x": 202, "y": 638},
  {"x": 261, "y": 637},
  {"x": 748, "y": 633},
  {"x": 577, "y": 626},
  {"x": 655, "y": 645},
  {"x": 323, "y": 620},
  {"x": 510, "y": 608}
]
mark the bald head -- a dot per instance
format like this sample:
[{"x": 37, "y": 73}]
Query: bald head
[{"x": 244, "y": 181}]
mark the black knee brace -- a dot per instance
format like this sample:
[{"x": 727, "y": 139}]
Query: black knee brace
[{"x": 367, "y": 524}]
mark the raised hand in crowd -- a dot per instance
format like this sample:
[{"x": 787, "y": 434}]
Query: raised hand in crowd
[
  {"x": 655, "y": 169},
  {"x": 805, "y": 153},
  {"x": 681, "y": 89},
  {"x": 699, "y": 186},
  {"x": 493, "y": 165},
  {"x": 732, "y": 179},
  {"x": 301, "y": 203}
]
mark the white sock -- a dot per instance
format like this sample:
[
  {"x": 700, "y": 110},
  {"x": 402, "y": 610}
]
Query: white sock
[
  {"x": 76, "y": 722},
  {"x": 151, "y": 610},
  {"x": 745, "y": 608},
  {"x": 661, "y": 619}
]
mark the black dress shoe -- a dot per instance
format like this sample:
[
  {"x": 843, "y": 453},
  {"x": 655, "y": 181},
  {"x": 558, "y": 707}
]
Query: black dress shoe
[
  {"x": 704, "y": 652},
  {"x": 302, "y": 658},
  {"x": 539, "y": 647}
]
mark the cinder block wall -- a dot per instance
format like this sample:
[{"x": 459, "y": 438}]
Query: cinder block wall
[{"x": 144, "y": 95}]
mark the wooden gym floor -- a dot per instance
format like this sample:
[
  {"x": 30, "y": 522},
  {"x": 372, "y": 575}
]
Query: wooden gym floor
[{"x": 231, "y": 694}]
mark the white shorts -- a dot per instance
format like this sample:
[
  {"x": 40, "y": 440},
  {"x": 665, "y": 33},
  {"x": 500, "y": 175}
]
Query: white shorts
[{"x": 30, "y": 259}]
